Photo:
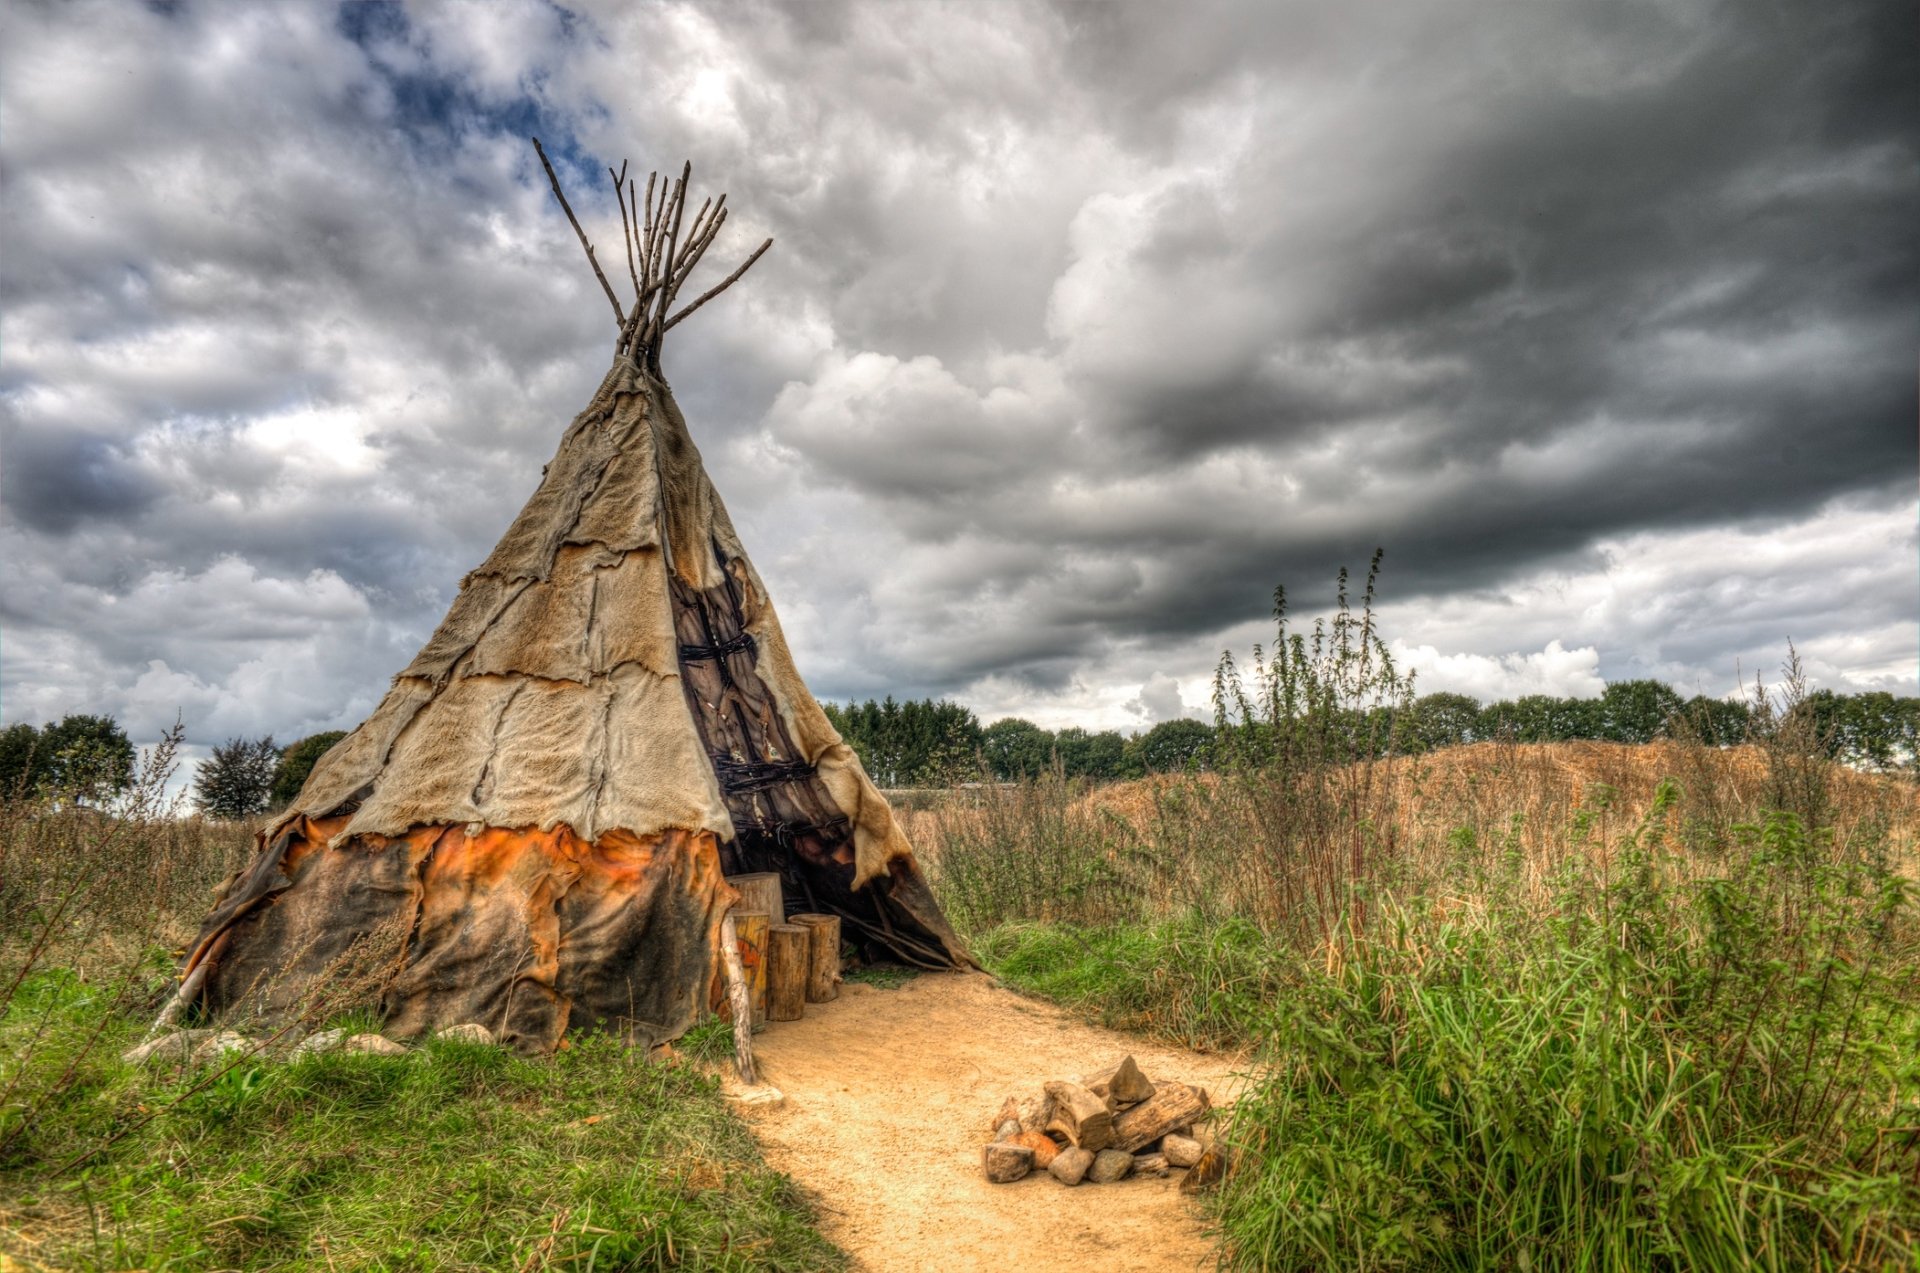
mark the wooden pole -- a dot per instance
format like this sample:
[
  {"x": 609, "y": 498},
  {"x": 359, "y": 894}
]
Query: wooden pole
[
  {"x": 787, "y": 972},
  {"x": 751, "y": 929},
  {"x": 741, "y": 1001},
  {"x": 823, "y": 956}
]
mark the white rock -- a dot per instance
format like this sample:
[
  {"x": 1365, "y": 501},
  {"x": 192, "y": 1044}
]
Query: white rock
[
  {"x": 324, "y": 1041},
  {"x": 377, "y": 1044},
  {"x": 1181, "y": 1151},
  {"x": 219, "y": 1045},
  {"x": 763, "y": 1095},
  {"x": 176, "y": 1046},
  {"x": 470, "y": 1032}
]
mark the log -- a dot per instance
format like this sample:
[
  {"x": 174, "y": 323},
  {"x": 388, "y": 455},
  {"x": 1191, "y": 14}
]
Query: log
[
  {"x": 1149, "y": 1164},
  {"x": 823, "y": 956},
  {"x": 750, "y": 927},
  {"x": 787, "y": 972},
  {"x": 1172, "y": 1106},
  {"x": 1080, "y": 1116},
  {"x": 739, "y": 998},
  {"x": 760, "y": 891}
]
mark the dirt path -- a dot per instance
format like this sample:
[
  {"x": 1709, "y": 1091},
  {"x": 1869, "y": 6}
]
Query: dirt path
[{"x": 888, "y": 1096}]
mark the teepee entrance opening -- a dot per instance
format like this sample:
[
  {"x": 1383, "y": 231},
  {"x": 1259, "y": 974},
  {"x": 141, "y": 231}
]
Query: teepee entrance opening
[{"x": 542, "y": 812}]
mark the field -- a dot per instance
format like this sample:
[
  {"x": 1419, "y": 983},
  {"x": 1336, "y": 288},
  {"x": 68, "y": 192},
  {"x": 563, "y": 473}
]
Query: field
[
  {"x": 1554, "y": 1006},
  {"x": 1577, "y": 1006}
]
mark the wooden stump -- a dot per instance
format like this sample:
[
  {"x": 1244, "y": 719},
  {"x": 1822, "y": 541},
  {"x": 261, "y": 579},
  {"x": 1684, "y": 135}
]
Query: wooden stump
[
  {"x": 760, "y": 891},
  {"x": 751, "y": 929},
  {"x": 823, "y": 956},
  {"x": 787, "y": 971}
]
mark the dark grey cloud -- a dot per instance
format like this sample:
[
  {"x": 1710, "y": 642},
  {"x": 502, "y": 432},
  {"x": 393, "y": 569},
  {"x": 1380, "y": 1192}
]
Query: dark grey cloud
[{"x": 1086, "y": 324}]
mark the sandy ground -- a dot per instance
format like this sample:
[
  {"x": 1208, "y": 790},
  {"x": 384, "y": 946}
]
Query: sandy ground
[{"x": 889, "y": 1094}]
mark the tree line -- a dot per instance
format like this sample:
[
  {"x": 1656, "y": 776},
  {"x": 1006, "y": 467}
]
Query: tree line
[{"x": 937, "y": 742}]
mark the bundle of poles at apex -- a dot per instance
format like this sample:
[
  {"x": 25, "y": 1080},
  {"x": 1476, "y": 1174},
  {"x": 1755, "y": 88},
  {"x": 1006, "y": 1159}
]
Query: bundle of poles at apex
[{"x": 658, "y": 259}]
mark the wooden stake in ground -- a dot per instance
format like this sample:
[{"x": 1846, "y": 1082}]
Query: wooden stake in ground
[
  {"x": 787, "y": 971},
  {"x": 740, "y": 999},
  {"x": 760, "y": 891},
  {"x": 751, "y": 926},
  {"x": 823, "y": 956}
]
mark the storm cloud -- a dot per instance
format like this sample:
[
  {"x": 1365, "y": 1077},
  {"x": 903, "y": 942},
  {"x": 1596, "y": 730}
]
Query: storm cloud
[{"x": 1085, "y": 326}]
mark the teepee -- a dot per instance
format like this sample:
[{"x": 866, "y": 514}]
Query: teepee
[{"x": 607, "y": 724}]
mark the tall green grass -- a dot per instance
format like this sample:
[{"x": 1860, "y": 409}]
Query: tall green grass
[{"x": 1497, "y": 1017}]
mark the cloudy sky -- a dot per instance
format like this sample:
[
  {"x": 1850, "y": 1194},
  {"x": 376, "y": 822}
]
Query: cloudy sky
[{"x": 1085, "y": 326}]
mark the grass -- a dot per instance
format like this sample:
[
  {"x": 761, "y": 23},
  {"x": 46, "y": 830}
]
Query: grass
[
  {"x": 453, "y": 1156},
  {"x": 1588, "y": 1007},
  {"x": 1658, "y": 1052}
]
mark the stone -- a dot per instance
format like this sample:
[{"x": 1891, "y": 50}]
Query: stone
[
  {"x": 323, "y": 1041},
  {"x": 1006, "y": 1162},
  {"x": 1149, "y": 1164},
  {"x": 1069, "y": 1166},
  {"x": 1045, "y": 1148},
  {"x": 1181, "y": 1151},
  {"x": 1128, "y": 1086},
  {"x": 1110, "y": 1165},
  {"x": 1007, "y": 1130},
  {"x": 377, "y": 1044},
  {"x": 759, "y": 1096},
  {"x": 217, "y": 1047},
  {"x": 468, "y": 1032},
  {"x": 177, "y": 1046}
]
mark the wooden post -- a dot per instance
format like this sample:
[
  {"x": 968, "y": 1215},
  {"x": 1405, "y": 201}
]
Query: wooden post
[
  {"x": 787, "y": 972},
  {"x": 740, "y": 999},
  {"x": 760, "y": 891},
  {"x": 751, "y": 929},
  {"x": 823, "y": 956}
]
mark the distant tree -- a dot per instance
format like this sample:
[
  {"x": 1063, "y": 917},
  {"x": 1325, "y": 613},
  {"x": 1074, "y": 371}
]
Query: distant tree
[
  {"x": 296, "y": 762},
  {"x": 1016, "y": 748},
  {"x": 1440, "y": 720},
  {"x": 916, "y": 743},
  {"x": 1174, "y": 745},
  {"x": 1637, "y": 711},
  {"x": 89, "y": 757},
  {"x": 238, "y": 781},
  {"x": 1717, "y": 722},
  {"x": 26, "y": 766}
]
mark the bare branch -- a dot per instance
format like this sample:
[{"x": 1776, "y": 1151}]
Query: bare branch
[
  {"x": 619, "y": 315},
  {"x": 626, "y": 229},
  {"x": 694, "y": 252},
  {"x": 725, "y": 283},
  {"x": 646, "y": 240},
  {"x": 657, "y": 327}
]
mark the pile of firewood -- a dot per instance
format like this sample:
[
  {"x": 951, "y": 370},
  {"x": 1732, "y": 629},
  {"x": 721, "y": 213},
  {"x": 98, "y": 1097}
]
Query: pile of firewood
[{"x": 1106, "y": 1127}]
